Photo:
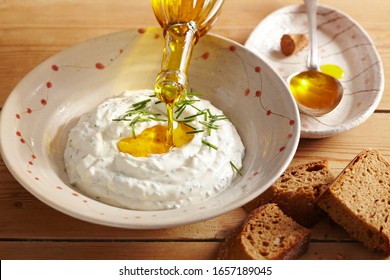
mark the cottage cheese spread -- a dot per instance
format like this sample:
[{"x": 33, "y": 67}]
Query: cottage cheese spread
[{"x": 183, "y": 176}]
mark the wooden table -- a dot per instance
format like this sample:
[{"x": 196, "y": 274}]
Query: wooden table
[{"x": 32, "y": 31}]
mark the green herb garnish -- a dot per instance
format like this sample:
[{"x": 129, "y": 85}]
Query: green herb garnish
[
  {"x": 192, "y": 117},
  {"x": 140, "y": 112},
  {"x": 209, "y": 144},
  {"x": 195, "y": 131},
  {"x": 235, "y": 168},
  {"x": 183, "y": 105}
]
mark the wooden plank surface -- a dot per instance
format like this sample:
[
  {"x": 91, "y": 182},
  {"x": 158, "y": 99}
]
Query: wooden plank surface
[
  {"x": 131, "y": 250},
  {"x": 32, "y": 31},
  {"x": 109, "y": 250}
]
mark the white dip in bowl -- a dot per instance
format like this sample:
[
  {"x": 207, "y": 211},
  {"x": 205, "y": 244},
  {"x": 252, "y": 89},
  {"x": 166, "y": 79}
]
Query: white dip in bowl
[{"x": 192, "y": 173}]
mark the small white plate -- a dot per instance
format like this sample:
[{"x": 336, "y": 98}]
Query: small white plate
[{"x": 341, "y": 42}]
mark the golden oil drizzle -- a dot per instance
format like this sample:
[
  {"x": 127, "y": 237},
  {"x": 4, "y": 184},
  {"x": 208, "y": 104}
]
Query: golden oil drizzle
[{"x": 152, "y": 140}]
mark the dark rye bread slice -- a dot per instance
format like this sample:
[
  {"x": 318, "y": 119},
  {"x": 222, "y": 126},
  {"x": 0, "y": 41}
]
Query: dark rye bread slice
[
  {"x": 297, "y": 190},
  {"x": 359, "y": 200},
  {"x": 266, "y": 234}
]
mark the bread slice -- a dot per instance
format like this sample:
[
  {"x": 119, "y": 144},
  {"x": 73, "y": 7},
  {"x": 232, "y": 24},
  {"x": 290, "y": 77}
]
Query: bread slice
[
  {"x": 359, "y": 200},
  {"x": 297, "y": 190},
  {"x": 266, "y": 234}
]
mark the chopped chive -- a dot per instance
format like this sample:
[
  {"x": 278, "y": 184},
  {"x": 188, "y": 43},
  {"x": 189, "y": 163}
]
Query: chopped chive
[
  {"x": 141, "y": 103},
  {"x": 186, "y": 102},
  {"x": 209, "y": 125},
  {"x": 209, "y": 144},
  {"x": 186, "y": 121},
  {"x": 139, "y": 112},
  {"x": 190, "y": 126},
  {"x": 195, "y": 131},
  {"x": 194, "y": 116},
  {"x": 235, "y": 168},
  {"x": 180, "y": 110},
  {"x": 133, "y": 121},
  {"x": 133, "y": 130},
  {"x": 157, "y": 119},
  {"x": 218, "y": 117},
  {"x": 196, "y": 108},
  {"x": 193, "y": 94},
  {"x": 181, "y": 106}
]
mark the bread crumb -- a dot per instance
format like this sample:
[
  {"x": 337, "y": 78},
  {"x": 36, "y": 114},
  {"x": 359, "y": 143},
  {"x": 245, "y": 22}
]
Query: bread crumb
[{"x": 293, "y": 43}]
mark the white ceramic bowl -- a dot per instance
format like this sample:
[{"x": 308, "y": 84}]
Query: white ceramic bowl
[{"x": 43, "y": 107}]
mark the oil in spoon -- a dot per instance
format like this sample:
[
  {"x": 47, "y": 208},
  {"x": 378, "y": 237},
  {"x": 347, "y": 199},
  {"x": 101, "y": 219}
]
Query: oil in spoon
[
  {"x": 314, "y": 90},
  {"x": 316, "y": 93}
]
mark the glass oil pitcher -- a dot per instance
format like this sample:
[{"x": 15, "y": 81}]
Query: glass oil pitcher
[{"x": 184, "y": 22}]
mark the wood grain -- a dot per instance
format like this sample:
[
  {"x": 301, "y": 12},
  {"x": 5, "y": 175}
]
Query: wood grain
[
  {"x": 108, "y": 250},
  {"x": 130, "y": 250}
]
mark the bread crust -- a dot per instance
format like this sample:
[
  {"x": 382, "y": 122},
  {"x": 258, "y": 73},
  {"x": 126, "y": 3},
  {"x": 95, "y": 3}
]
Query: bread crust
[
  {"x": 359, "y": 200},
  {"x": 266, "y": 234},
  {"x": 297, "y": 190}
]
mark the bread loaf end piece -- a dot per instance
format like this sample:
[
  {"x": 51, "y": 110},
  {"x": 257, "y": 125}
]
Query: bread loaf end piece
[{"x": 359, "y": 200}]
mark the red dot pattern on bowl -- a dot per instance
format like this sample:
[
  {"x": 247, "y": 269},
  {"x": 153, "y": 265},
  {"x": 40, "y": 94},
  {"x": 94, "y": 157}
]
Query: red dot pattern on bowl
[{"x": 55, "y": 69}]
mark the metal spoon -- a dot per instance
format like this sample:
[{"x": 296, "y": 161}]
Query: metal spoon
[{"x": 316, "y": 93}]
